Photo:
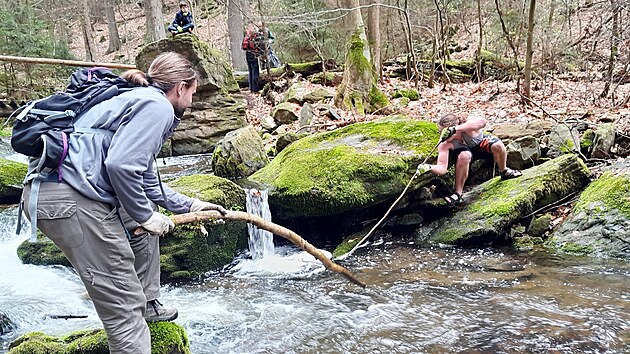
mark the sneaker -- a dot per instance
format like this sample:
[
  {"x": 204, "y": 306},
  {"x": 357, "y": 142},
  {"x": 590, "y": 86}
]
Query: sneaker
[{"x": 157, "y": 313}]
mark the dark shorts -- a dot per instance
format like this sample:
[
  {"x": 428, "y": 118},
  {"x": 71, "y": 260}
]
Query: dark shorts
[{"x": 481, "y": 151}]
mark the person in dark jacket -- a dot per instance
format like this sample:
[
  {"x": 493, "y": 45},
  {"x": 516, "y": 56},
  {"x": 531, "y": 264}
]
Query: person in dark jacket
[
  {"x": 183, "y": 22},
  {"x": 252, "y": 52},
  {"x": 103, "y": 213}
]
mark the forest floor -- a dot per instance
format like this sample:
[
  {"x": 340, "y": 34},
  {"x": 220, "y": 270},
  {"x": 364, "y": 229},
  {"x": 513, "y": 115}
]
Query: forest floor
[{"x": 573, "y": 96}]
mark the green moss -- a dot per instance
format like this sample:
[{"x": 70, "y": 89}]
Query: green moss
[
  {"x": 411, "y": 94},
  {"x": 6, "y": 131},
  {"x": 608, "y": 192},
  {"x": 404, "y": 101},
  {"x": 43, "y": 252},
  {"x": 168, "y": 337},
  {"x": 212, "y": 189},
  {"x": 378, "y": 99},
  {"x": 567, "y": 147},
  {"x": 11, "y": 173},
  {"x": 355, "y": 52},
  {"x": 501, "y": 202},
  {"x": 335, "y": 165},
  {"x": 571, "y": 247},
  {"x": 587, "y": 139}
]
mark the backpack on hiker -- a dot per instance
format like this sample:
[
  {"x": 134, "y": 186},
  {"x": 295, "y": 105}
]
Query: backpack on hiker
[
  {"x": 41, "y": 127},
  {"x": 254, "y": 42}
]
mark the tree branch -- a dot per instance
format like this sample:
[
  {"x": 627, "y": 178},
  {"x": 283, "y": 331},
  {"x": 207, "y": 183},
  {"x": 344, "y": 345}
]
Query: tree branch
[{"x": 273, "y": 228}]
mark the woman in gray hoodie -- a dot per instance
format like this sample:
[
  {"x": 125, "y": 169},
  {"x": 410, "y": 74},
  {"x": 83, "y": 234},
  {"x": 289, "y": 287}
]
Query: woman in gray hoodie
[{"x": 109, "y": 189}]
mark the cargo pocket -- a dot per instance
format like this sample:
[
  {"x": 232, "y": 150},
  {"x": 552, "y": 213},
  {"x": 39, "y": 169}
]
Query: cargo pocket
[{"x": 59, "y": 221}]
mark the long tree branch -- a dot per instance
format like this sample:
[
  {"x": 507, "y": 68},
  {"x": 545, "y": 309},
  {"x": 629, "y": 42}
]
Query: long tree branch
[{"x": 271, "y": 227}]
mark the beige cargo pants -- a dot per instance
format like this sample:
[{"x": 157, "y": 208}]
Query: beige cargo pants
[{"x": 120, "y": 275}]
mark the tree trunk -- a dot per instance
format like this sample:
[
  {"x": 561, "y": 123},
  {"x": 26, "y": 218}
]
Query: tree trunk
[
  {"x": 235, "y": 33},
  {"x": 614, "y": 47},
  {"x": 271, "y": 227},
  {"x": 478, "y": 60},
  {"x": 530, "y": 50},
  {"x": 88, "y": 38},
  {"x": 155, "y": 20},
  {"x": 358, "y": 88},
  {"x": 112, "y": 28},
  {"x": 374, "y": 36}
]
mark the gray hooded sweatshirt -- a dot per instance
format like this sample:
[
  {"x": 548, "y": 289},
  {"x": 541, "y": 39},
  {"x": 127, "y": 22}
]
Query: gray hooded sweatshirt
[{"x": 118, "y": 169}]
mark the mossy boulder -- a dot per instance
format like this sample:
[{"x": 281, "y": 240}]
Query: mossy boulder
[
  {"x": 188, "y": 252},
  {"x": 497, "y": 204},
  {"x": 11, "y": 176},
  {"x": 166, "y": 338},
  {"x": 217, "y": 107},
  {"x": 599, "y": 223},
  {"x": 603, "y": 141},
  {"x": 214, "y": 70},
  {"x": 563, "y": 140},
  {"x": 411, "y": 94},
  {"x": 239, "y": 154},
  {"x": 347, "y": 169}
]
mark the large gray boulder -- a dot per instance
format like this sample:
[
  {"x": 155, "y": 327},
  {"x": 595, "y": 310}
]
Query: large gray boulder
[
  {"x": 599, "y": 224},
  {"x": 217, "y": 107},
  {"x": 496, "y": 205},
  {"x": 239, "y": 154}
]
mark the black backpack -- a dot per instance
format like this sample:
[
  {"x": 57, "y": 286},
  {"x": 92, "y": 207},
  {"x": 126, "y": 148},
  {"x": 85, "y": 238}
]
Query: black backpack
[{"x": 42, "y": 126}]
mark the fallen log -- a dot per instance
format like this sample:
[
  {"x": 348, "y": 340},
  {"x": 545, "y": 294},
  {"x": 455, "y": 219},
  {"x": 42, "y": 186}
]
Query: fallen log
[
  {"x": 271, "y": 227},
  {"x": 304, "y": 69}
]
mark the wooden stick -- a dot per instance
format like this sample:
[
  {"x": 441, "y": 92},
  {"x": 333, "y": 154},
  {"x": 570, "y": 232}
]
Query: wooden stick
[
  {"x": 271, "y": 227},
  {"x": 28, "y": 60}
]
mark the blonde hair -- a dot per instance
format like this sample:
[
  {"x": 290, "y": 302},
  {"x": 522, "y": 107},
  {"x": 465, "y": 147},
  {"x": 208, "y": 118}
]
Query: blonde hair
[
  {"x": 169, "y": 69},
  {"x": 135, "y": 77},
  {"x": 451, "y": 120}
]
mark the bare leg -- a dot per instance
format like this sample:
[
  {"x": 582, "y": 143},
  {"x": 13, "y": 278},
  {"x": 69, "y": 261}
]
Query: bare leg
[
  {"x": 461, "y": 170},
  {"x": 500, "y": 155}
]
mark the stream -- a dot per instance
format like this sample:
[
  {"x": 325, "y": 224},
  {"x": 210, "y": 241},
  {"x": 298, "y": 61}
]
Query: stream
[{"x": 418, "y": 299}]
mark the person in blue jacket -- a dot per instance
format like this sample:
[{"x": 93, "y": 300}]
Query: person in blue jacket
[
  {"x": 104, "y": 213},
  {"x": 183, "y": 22}
]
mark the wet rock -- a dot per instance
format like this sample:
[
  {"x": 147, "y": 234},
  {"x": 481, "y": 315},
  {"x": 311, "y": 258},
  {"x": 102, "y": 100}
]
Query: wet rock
[
  {"x": 523, "y": 152},
  {"x": 495, "y": 205},
  {"x": 600, "y": 220},
  {"x": 284, "y": 113},
  {"x": 563, "y": 140},
  {"x": 603, "y": 141},
  {"x": 7, "y": 328},
  {"x": 239, "y": 154},
  {"x": 166, "y": 337},
  {"x": 538, "y": 226},
  {"x": 11, "y": 176}
]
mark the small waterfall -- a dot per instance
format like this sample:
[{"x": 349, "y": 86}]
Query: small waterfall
[{"x": 260, "y": 241}]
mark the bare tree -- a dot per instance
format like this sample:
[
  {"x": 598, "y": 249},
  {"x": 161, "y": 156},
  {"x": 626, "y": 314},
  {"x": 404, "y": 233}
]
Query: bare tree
[
  {"x": 112, "y": 28},
  {"x": 614, "y": 47},
  {"x": 88, "y": 37},
  {"x": 155, "y": 20},
  {"x": 374, "y": 35},
  {"x": 530, "y": 50},
  {"x": 235, "y": 33}
]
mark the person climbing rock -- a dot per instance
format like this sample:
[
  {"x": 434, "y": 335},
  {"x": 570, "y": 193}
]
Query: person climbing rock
[{"x": 461, "y": 142}]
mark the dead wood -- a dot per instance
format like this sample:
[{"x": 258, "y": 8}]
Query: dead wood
[{"x": 271, "y": 227}]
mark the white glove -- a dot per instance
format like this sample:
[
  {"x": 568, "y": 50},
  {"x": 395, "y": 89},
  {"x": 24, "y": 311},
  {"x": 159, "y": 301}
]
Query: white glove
[
  {"x": 158, "y": 224},
  {"x": 199, "y": 205}
]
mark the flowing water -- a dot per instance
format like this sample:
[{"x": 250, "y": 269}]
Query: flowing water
[{"x": 418, "y": 300}]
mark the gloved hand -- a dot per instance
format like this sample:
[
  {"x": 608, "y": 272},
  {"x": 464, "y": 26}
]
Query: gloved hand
[
  {"x": 447, "y": 133},
  {"x": 180, "y": 29},
  {"x": 198, "y": 205},
  {"x": 158, "y": 224},
  {"x": 423, "y": 168}
]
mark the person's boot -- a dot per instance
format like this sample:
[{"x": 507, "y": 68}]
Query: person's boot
[{"x": 157, "y": 313}]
